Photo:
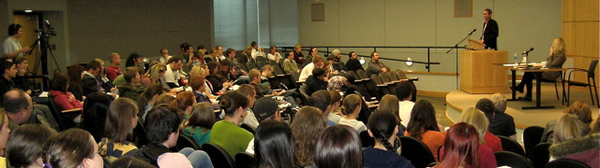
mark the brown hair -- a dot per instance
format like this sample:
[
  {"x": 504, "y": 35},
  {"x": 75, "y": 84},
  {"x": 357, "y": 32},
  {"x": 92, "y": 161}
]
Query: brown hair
[
  {"x": 202, "y": 115},
  {"x": 118, "y": 127},
  {"x": 581, "y": 110},
  {"x": 350, "y": 103},
  {"x": 59, "y": 82},
  {"x": 306, "y": 127},
  {"x": 130, "y": 73},
  {"x": 69, "y": 148},
  {"x": 183, "y": 100},
  {"x": 335, "y": 96},
  {"x": 197, "y": 82},
  {"x": 146, "y": 96},
  {"x": 163, "y": 99},
  {"x": 389, "y": 103}
]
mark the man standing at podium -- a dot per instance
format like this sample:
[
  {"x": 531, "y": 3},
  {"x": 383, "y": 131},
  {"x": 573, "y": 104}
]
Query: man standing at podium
[{"x": 490, "y": 31}]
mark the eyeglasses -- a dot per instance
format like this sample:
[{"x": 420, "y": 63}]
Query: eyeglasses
[{"x": 31, "y": 107}]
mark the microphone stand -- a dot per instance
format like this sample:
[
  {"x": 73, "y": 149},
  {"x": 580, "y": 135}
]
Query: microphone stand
[
  {"x": 527, "y": 66},
  {"x": 456, "y": 54}
]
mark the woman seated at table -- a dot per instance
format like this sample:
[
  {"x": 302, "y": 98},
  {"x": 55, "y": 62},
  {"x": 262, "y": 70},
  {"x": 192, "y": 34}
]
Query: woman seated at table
[{"x": 555, "y": 60}]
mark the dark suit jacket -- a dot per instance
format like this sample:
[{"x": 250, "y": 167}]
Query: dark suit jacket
[
  {"x": 89, "y": 85},
  {"x": 353, "y": 65},
  {"x": 490, "y": 34}
]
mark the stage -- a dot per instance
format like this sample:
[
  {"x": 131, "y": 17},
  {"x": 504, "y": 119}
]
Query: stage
[{"x": 458, "y": 100}]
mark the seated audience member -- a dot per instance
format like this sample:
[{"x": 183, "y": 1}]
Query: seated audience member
[
  {"x": 147, "y": 99},
  {"x": 227, "y": 133},
  {"x": 20, "y": 80},
  {"x": 163, "y": 99},
  {"x": 336, "y": 99},
  {"x": 586, "y": 150},
  {"x": 4, "y": 132},
  {"x": 423, "y": 126},
  {"x": 255, "y": 80},
  {"x": 200, "y": 123},
  {"x": 596, "y": 126},
  {"x": 313, "y": 52},
  {"x": 218, "y": 82},
  {"x": 404, "y": 93},
  {"x": 274, "y": 55},
  {"x": 130, "y": 162},
  {"x": 20, "y": 110},
  {"x": 105, "y": 83},
  {"x": 90, "y": 83},
  {"x": 306, "y": 128},
  {"x": 9, "y": 72},
  {"x": 63, "y": 98},
  {"x": 338, "y": 147},
  {"x": 500, "y": 122},
  {"x": 76, "y": 83},
  {"x": 353, "y": 64},
  {"x": 337, "y": 83},
  {"x": 197, "y": 84},
  {"x": 121, "y": 78},
  {"x": 114, "y": 70},
  {"x": 568, "y": 127},
  {"x": 227, "y": 72},
  {"x": 164, "y": 55},
  {"x": 121, "y": 120},
  {"x": 383, "y": 127},
  {"x": 162, "y": 132},
  {"x": 273, "y": 145},
  {"x": 289, "y": 65},
  {"x": 264, "y": 86},
  {"x": 72, "y": 148},
  {"x": 462, "y": 149},
  {"x": 95, "y": 109},
  {"x": 317, "y": 81},
  {"x": 298, "y": 56},
  {"x": 267, "y": 109},
  {"x": 317, "y": 61},
  {"x": 337, "y": 64},
  {"x": 354, "y": 88},
  {"x": 477, "y": 119},
  {"x": 256, "y": 51},
  {"x": 376, "y": 66},
  {"x": 322, "y": 100},
  {"x": 389, "y": 103},
  {"x": 132, "y": 89},
  {"x": 188, "y": 51},
  {"x": 236, "y": 65},
  {"x": 579, "y": 108},
  {"x": 171, "y": 78},
  {"x": 184, "y": 102},
  {"x": 350, "y": 108},
  {"x": 25, "y": 145},
  {"x": 250, "y": 93},
  {"x": 247, "y": 55},
  {"x": 134, "y": 60},
  {"x": 154, "y": 75}
]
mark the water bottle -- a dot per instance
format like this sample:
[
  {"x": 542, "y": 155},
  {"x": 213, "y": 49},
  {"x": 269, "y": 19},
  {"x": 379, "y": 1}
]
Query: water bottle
[{"x": 516, "y": 59}]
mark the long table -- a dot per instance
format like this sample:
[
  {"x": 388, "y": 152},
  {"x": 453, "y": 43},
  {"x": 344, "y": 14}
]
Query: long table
[{"x": 537, "y": 72}]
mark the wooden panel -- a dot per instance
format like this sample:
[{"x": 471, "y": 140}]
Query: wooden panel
[
  {"x": 479, "y": 75},
  {"x": 568, "y": 10},
  {"x": 568, "y": 34},
  {"x": 586, "y": 34},
  {"x": 586, "y": 10}
]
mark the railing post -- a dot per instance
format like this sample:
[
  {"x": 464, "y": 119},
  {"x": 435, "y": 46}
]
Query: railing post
[{"x": 428, "y": 61}]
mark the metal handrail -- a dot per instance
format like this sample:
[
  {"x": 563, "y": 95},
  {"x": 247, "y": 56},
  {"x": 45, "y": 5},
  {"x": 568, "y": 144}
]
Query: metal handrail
[{"x": 427, "y": 63}]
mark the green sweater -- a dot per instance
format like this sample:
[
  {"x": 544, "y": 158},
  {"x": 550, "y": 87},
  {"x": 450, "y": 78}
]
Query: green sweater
[
  {"x": 230, "y": 137},
  {"x": 198, "y": 135}
]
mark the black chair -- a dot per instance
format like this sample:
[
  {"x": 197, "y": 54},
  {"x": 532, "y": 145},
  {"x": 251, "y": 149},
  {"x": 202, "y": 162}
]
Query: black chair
[
  {"x": 416, "y": 151},
  {"x": 540, "y": 155},
  {"x": 555, "y": 86},
  {"x": 367, "y": 141},
  {"x": 248, "y": 128},
  {"x": 277, "y": 69},
  {"x": 591, "y": 81},
  {"x": 185, "y": 141},
  {"x": 506, "y": 158},
  {"x": 260, "y": 61},
  {"x": 401, "y": 74},
  {"x": 383, "y": 88},
  {"x": 303, "y": 96},
  {"x": 511, "y": 145},
  {"x": 218, "y": 156},
  {"x": 139, "y": 135},
  {"x": 250, "y": 66},
  {"x": 245, "y": 160},
  {"x": 352, "y": 73},
  {"x": 361, "y": 73},
  {"x": 532, "y": 136},
  {"x": 560, "y": 163},
  {"x": 64, "y": 122}
]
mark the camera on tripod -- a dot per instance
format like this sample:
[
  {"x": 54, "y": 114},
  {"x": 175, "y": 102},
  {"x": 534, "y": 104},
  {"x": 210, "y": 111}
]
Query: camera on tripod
[{"x": 46, "y": 30}]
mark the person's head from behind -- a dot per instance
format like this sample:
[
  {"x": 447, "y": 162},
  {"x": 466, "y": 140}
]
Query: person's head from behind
[
  {"x": 197, "y": 83},
  {"x": 337, "y": 83},
  {"x": 499, "y": 101},
  {"x": 306, "y": 128},
  {"x": 26, "y": 143},
  {"x": 336, "y": 100},
  {"x": 184, "y": 101},
  {"x": 72, "y": 148},
  {"x": 18, "y": 105},
  {"x": 60, "y": 82},
  {"x": 477, "y": 119},
  {"x": 383, "y": 126},
  {"x": 322, "y": 100},
  {"x": 558, "y": 46},
  {"x": 267, "y": 108},
  {"x": 404, "y": 91},
  {"x": 568, "y": 127},
  {"x": 248, "y": 91},
  {"x": 130, "y": 162},
  {"x": 203, "y": 115},
  {"x": 234, "y": 104},
  {"x": 163, "y": 99},
  {"x": 389, "y": 103},
  {"x": 319, "y": 73},
  {"x": 581, "y": 110},
  {"x": 486, "y": 106},
  {"x": 74, "y": 72},
  {"x": 162, "y": 125},
  {"x": 422, "y": 119},
  {"x": 149, "y": 96},
  {"x": 122, "y": 118},
  {"x": 351, "y": 105},
  {"x": 94, "y": 114},
  {"x": 461, "y": 147},
  {"x": 273, "y": 144},
  {"x": 338, "y": 146}
]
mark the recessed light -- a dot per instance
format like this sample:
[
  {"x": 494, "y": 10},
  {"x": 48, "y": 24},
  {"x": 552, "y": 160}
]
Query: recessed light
[{"x": 28, "y": 11}]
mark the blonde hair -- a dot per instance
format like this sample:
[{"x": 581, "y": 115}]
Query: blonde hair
[
  {"x": 197, "y": 70},
  {"x": 477, "y": 119},
  {"x": 389, "y": 103},
  {"x": 155, "y": 71},
  {"x": 581, "y": 110},
  {"x": 569, "y": 127},
  {"x": 499, "y": 101},
  {"x": 558, "y": 46}
]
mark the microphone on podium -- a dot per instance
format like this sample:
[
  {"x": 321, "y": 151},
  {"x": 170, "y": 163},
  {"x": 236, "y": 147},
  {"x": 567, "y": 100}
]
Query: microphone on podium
[
  {"x": 473, "y": 31},
  {"x": 527, "y": 52}
]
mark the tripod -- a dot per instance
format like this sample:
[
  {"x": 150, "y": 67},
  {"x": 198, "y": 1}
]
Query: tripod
[{"x": 43, "y": 40}]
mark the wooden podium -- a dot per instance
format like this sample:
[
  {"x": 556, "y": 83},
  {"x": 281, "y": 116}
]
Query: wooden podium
[
  {"x": 478, "y": 74},
  {"x": 476, "y": 45}
]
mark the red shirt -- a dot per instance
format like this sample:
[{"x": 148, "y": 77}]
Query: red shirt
[
  {"x": 492, "y": 141},
  {"x": 112, "y": 72}
]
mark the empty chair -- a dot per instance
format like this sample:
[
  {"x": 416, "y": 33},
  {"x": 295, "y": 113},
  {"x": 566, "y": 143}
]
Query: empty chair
[
  {"x": 532, "y": 136},
  {"x": 401, "y": 74},
  {"x": 218, "y": 156},
  {"x": 506, "y": 158},
  {"x": 260, "y": 62},
  {"x": 540, "y": 155},
  {"x": 511, "y": 145},
  {"x": 303, "y": 96},
  {"x": 250, "y": 66},
  {"x": 352, "y": 73},
  {"x": 245, "y": 160},
  {"x": 416, "y": 151},
  {"x": 185, "y": 141},
  {"x": 362, "y": 74},
  {"x": 591, "y": 81},
  {"x": 560, "y": 163},
  {"x": 276, "y": 67}
]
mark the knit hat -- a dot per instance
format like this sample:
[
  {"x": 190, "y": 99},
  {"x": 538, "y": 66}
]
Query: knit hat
[
  {"x": 336, "y": 83},
  {"x": 335, "y": 52},
  {"x": 265, "y": 108},
  {"x": 170, "y": 159}
]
